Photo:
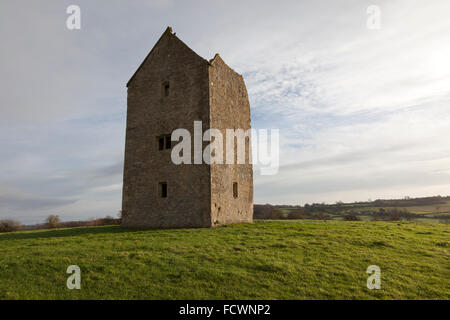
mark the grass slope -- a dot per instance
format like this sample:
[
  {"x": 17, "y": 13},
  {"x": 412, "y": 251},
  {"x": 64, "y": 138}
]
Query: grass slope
[{"x": 264, "y": 260}]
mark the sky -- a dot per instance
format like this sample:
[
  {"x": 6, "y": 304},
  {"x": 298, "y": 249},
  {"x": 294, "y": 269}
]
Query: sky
[{"x": 363, "y": 113}]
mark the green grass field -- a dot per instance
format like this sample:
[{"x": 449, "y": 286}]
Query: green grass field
[{"x": 265, "y": 260}]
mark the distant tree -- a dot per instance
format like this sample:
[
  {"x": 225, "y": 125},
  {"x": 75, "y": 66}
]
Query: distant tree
[
  {"x": 53, "y": 221},
  {"x": 393, "y": 214},
  {"x": 267, "y": 211},
  {"x": 297, "y": 214},
  {"x": 8, "y": 225},
  {"x": 323, "y": 217},
  {"x": 106, "y": 220},
  {"x": 351, "y": 217}
]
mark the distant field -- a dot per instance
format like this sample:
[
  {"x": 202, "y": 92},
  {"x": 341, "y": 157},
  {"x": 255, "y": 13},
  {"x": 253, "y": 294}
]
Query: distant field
[
  {"x": 265, "y": 260},
  {"x": 426, "y": 209},
  {"x": 432, "y": 209},
  {"x": 429, "y": 210}
]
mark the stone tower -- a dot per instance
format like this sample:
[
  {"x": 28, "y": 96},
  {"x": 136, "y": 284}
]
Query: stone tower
[{"x": 172, "y": 88}]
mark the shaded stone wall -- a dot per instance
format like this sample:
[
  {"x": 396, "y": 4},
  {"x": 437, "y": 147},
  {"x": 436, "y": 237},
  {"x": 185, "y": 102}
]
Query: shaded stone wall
[
  {"x": 150, "y": 114},
  {"x": 230, "y": 109}
]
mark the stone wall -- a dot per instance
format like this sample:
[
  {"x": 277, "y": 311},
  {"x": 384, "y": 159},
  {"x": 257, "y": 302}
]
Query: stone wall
[
  {"x": 199, "y": 195},
  {"x": 230, "y": 109},
  {"x": 150, "y": 114}
]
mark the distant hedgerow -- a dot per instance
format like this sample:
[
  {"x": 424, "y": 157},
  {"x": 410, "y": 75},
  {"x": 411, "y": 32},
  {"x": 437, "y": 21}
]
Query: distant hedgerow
[
  {"x": 351, "y": 217},
  {"x": 8, "y": 225}
]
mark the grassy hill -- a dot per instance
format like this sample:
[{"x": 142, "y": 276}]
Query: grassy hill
[{"x": 302, "y": 259}]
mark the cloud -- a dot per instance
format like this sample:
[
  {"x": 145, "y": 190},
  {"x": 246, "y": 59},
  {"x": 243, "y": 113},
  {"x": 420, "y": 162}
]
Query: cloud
[
  {"x": 24, "y": 202},
  {"x": 73, "y": 195},
  {"x": 113, "y": 170}
]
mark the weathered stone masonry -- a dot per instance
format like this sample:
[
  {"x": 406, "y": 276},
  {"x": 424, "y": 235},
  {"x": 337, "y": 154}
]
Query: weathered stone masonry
[{"x": 171, "y": 89}]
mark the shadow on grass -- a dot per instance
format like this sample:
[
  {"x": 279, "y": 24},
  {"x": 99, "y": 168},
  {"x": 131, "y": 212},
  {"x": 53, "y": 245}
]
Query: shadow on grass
[{"x": 66, "y": 232}]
